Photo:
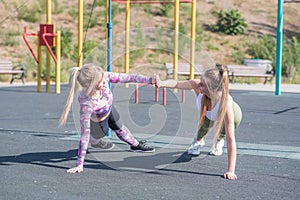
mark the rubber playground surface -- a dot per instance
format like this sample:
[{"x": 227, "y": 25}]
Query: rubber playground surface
[{"x": 35, "y": 153}]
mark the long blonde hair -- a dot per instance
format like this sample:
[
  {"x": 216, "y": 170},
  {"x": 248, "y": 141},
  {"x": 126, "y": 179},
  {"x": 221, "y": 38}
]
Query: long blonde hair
[
  {"x": 87, "y": 76},
  {"x": 216, "y": 80}
]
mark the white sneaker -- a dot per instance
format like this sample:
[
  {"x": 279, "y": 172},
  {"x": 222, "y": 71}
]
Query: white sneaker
[
  {"x": 195, "y": 147},
  {"x": 217, "y": 148}
]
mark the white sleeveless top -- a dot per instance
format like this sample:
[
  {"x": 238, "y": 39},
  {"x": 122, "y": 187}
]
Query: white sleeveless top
[{"x": 211, "y": 114}]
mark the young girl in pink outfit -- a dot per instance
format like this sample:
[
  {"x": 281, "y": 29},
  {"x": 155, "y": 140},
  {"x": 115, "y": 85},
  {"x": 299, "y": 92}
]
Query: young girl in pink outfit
[{"x": 97, "y": 112}]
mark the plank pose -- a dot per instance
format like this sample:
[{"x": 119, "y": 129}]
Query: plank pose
[
  {"x": 217, "y": 110},
  {"x": 97, "y": 112}
]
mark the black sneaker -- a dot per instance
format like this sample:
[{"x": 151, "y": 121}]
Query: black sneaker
[
  {"x": 142, "y": 147},
  {"x": 104, "y": 145}
]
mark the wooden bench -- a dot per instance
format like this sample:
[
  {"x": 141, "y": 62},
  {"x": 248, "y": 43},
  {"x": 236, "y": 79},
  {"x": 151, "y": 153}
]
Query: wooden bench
[
  {"x": 182, "y": 69},
  {"x": 233, "y": 71},
  {"x": 17, "y": 71},
  {"x": 250, "y": 71}
]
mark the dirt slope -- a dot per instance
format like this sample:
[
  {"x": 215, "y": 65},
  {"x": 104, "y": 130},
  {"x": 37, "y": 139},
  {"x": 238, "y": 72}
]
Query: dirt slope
[{"x": 261, "y": 17}]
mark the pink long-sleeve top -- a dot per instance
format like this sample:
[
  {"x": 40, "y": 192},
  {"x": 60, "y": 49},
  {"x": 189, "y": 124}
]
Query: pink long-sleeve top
[{"x": 99, "y": 106}]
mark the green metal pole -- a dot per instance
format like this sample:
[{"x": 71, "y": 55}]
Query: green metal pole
[{"x": 279, "y": 47}]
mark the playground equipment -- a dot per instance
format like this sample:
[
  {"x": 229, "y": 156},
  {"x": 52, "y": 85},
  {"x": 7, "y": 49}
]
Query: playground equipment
[
  {"x": 176, "y": 30},
  {"x": 109, "y": 26},
  {"x": 164, "y": 98},
  {"x": 176, "y": 37},
  {"x": 46, "y": 36},
  {"x": 279, "y": 47}
]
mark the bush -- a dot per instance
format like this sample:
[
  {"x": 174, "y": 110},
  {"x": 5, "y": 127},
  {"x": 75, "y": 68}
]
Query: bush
[
  {"x": 10, "y": 38},
  {"x": 229, "y": 22},
  {"x": 265, "y": 48},
  {"x": 66, "y": 42},
  {"x": 68, "y": 50},
  {"x": 88, "y": 47},
  {"x": 291, "y": 56},
  {"x": 166, "y": 9},
  {"x": 30, "y": 14}
]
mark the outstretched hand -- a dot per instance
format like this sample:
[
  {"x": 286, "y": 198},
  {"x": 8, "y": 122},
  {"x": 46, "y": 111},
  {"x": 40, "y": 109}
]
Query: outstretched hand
[
  {"x": 230, "y": 176},
  {"x": 159, "y": 83},
  {"x": 169, "y": 83},
  {"x": 73, "y": 170},
  {"x": 156, "y": 81}
]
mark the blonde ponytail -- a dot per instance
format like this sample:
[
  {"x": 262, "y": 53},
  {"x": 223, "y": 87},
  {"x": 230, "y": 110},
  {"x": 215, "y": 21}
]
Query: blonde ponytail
[
  {"x": 72, "y": 86},
  {"x": 224, "y": 100},
  {"x": 216, "y": 80}
]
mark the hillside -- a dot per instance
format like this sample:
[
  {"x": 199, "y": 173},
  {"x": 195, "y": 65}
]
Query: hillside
[{"x": 261, "y": 17}]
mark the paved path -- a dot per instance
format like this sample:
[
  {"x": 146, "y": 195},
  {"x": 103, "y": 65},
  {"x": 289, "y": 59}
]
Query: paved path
[
  {"x": 35, "y": 153},
  {"x": 294, "y": 88}
]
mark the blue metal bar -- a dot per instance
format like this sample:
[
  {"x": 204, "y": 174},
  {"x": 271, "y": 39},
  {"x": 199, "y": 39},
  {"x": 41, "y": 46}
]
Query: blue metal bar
[
  {"x": 109, "y": 44},
  {"x": 109, "y": 37},
  {"x": 279, "y": 47}
]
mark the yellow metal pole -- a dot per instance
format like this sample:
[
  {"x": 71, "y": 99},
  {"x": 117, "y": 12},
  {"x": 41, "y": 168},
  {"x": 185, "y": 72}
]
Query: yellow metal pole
[
  {"x": 49, "y": 11},
  {"x": 127, "y": 29},
  {"x": 80, "y": 32},
  {"x": 39, "y": 68},
  {"x": 176, "y": 32},
  {"x": 57, "y": 68},
  {"x": 48, "y": 63},
  {"x": 193, "y": 39}
]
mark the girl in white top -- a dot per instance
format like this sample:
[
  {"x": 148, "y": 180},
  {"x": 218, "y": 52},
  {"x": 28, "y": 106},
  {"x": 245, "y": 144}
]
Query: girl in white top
[{"x": 218, "y": 111}]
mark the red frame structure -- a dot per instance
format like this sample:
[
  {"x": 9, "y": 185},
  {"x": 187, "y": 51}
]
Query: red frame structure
[{"x": 47, "y": 38}]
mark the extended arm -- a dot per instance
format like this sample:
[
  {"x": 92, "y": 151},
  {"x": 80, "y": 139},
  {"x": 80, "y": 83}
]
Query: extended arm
[
  {"x": 230, "y": 141},
  {"x": 186, "y": 85},
  {"x": 85, "y": 115},
  {"x": 127, "y": 78}
]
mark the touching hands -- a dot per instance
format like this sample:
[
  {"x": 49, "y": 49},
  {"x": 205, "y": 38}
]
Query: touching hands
[
  {"x": 156, "y": 81},
  {"x": 73, "y": 170},
  {"x": 170, "y": 83},
  {"x": 230, "y": 176}
]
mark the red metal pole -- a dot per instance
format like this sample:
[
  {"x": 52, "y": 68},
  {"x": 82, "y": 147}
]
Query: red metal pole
[
  {"x": 165, "y": 96},
  {"x": 28, "y": 45},
  {"x": 156, "y": 94},
  {"x": 47, "y": 44},
  {"x": 136, "y": 94}
]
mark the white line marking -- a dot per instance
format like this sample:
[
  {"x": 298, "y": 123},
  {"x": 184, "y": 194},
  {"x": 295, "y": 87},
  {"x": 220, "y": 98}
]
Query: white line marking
[{"x": 182, "y": 143}]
